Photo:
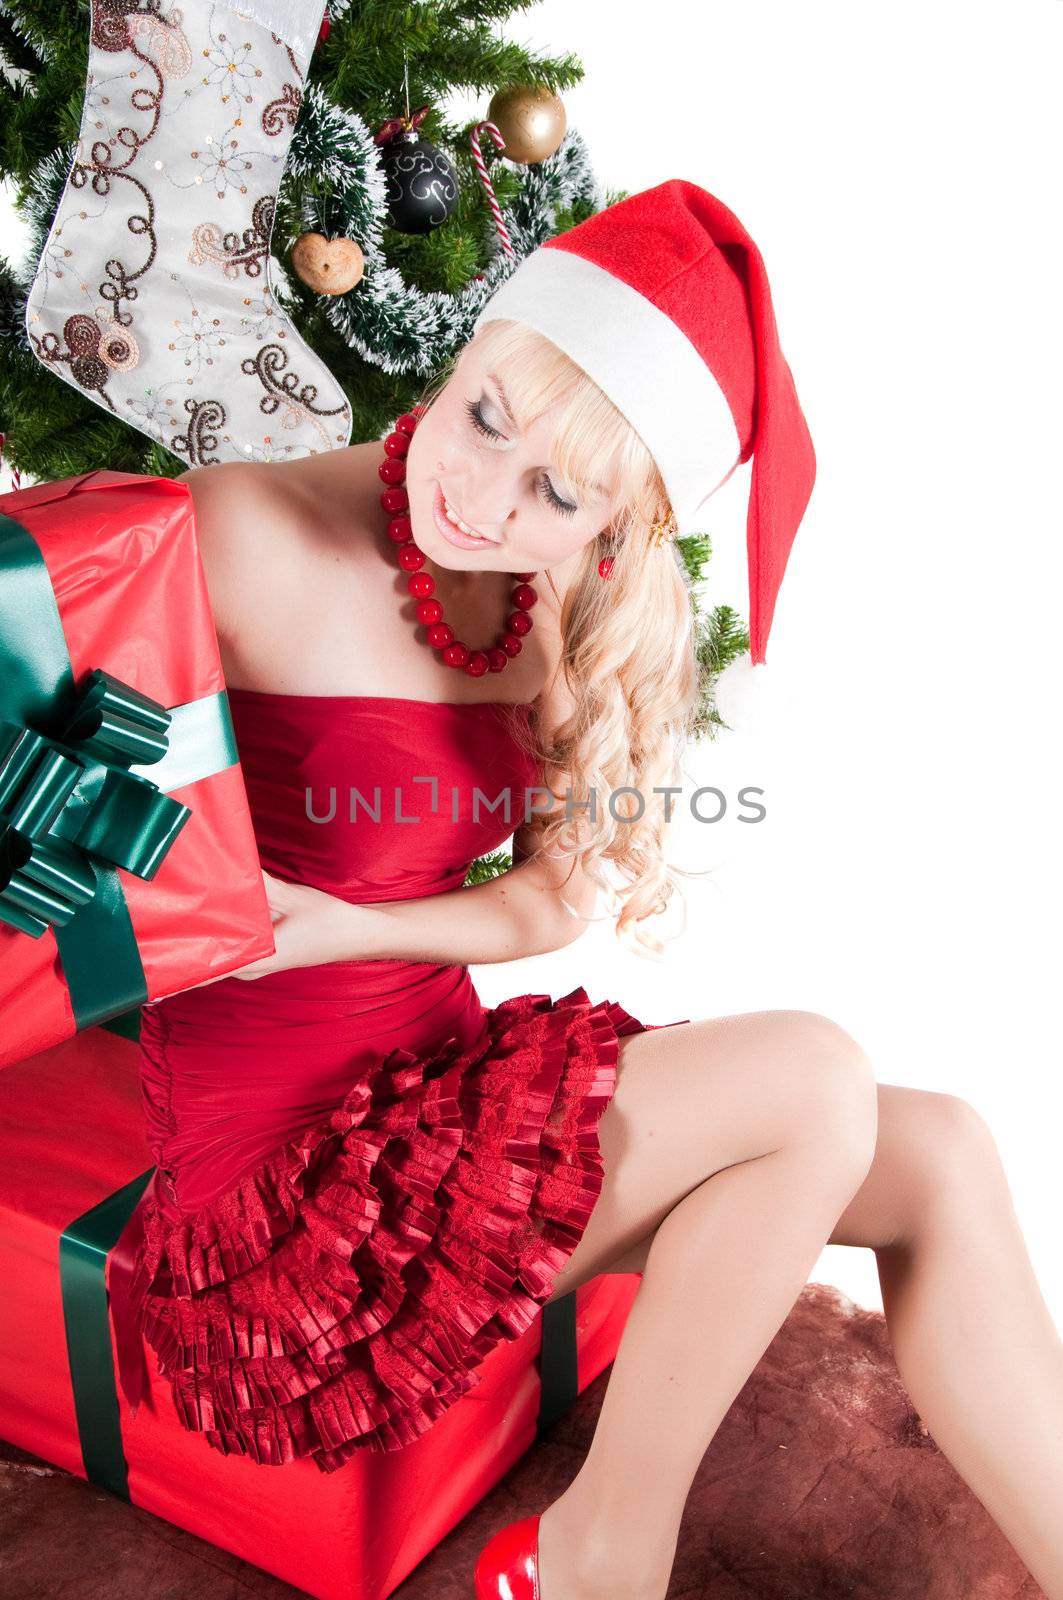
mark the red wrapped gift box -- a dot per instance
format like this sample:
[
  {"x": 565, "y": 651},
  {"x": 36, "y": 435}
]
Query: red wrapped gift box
[
  {"x": 128, "y": 863},
  {"x": 73, "y": 1161}
]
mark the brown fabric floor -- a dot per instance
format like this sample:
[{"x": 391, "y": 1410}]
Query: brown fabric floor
[{"x": 821, "y": 1484}]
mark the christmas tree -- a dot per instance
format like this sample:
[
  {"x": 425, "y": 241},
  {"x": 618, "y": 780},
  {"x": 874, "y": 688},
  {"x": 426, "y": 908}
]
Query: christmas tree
[{"x": 336, "y": 157}]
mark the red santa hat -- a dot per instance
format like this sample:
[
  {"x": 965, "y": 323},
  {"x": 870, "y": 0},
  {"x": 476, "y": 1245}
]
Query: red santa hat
[{"x": 663, "y": 300}]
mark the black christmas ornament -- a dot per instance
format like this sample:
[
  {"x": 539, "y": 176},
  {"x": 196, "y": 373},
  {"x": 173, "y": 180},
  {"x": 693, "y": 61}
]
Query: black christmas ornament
[{"x": 422, "y": 186}]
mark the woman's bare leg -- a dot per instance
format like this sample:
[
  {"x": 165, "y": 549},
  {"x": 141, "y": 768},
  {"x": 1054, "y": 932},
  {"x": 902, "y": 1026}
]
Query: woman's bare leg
[
  {"x": 778, "y": 1111},
  {"x": 973, "y": 1339}
]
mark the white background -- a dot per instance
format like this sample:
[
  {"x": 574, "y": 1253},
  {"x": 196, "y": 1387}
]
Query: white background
[{"x": 898, "y": 168}]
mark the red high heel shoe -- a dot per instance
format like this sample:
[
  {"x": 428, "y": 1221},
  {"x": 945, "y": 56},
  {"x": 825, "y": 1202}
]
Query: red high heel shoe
[{"x": 508, "y": 1565}]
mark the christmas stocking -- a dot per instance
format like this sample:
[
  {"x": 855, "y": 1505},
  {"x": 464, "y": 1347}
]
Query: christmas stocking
[{"x": 152, "y": 293}]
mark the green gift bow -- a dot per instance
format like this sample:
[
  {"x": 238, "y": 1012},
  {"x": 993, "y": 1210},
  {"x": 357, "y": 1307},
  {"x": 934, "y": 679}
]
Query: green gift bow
[
  {"x": 50, "y": 821},
  {"x": 74, "y": 808}
]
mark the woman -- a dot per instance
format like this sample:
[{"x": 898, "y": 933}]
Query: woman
[{"x": 346, "y": 1141}]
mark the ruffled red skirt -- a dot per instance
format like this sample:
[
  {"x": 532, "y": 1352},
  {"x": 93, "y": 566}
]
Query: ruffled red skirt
[{"x": 342, "y": 1294}]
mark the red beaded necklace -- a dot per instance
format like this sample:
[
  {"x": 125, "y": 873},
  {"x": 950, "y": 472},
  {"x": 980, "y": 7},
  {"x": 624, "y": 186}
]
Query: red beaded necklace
[{"x": 421, "y": 585}]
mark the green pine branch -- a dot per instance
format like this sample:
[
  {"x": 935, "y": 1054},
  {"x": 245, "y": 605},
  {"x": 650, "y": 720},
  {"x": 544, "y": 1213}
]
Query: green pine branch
[
  {"x": 15, "y": 48},
  {"x": 719, "y": 638},
  {"x": 484, "y": 868}
]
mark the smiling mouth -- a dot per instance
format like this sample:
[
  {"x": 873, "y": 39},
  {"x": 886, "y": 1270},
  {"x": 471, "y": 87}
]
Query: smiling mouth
[{"x": 462, "y": 527}]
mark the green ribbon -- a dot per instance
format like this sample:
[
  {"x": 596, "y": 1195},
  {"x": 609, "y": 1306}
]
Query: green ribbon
[
  {"x": 127, "y": 1026},
  {"x": 83, "y": 1250},
  {"x": 558, "y": 1362},
  {"x": 75, "y": 803}
]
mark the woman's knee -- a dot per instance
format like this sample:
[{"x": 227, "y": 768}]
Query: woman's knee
[
  {"x": 839, "y": 1096},
  {"x": 954, "y": 1154}
]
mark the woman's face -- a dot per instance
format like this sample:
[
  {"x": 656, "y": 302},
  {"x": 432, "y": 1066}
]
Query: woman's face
[{"x": 468, "y": 458}]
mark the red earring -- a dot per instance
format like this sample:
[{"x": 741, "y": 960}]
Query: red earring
[{"x": 605, "y": 567}]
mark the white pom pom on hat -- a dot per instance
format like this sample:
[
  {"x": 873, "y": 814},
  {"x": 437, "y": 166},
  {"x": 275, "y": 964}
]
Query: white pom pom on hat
[{"x": 663, "y": 300}]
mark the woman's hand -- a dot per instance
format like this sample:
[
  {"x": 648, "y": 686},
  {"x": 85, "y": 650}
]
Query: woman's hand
[{"x": 309, "y": 927}]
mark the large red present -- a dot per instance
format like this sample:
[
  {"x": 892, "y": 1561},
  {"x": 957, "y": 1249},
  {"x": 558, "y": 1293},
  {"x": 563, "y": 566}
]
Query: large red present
[
  {"x": 73, "y": 1162},
  {"x": 128, "y": 863}
]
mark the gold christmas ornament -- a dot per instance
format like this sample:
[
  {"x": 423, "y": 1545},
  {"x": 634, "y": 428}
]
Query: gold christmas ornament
[
  {"x": 531, "y": 119},
  {"x": 328, "y": 266}
]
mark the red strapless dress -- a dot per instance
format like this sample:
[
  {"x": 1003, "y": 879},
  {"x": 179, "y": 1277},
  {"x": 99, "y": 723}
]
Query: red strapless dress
[{"x": 365, "y": 1179}]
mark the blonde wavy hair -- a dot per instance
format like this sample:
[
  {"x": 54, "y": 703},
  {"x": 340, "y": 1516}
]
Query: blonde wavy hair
[{"x": 628, "y": 660}]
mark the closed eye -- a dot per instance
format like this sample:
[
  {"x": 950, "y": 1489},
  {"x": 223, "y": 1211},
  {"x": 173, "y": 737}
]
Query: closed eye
[
  {"x": 546, "y": 489},
  {"x": 476, "y": 417}
]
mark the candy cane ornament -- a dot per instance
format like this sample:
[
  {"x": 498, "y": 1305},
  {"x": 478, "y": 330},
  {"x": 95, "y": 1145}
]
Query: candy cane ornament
[{"x": 481, "y": 167}]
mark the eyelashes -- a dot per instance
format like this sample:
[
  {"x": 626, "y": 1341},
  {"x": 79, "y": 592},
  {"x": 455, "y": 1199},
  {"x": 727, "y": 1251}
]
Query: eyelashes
[
  {"x": 546, "y": 488},
  {"x": 475, "y": 417},
  {"x": 547, "y": 492}
]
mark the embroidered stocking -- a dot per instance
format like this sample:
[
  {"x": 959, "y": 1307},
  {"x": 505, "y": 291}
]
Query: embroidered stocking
[{"x": 152, "y": 293}]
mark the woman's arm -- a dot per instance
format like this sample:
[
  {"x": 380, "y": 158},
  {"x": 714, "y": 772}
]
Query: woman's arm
[{"x": 519, "y": 913}]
